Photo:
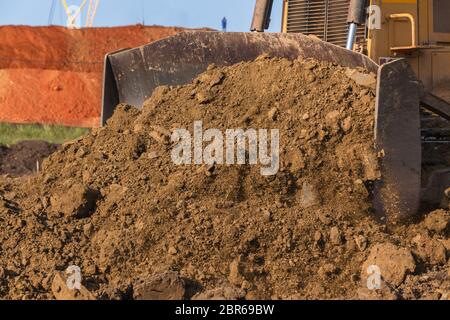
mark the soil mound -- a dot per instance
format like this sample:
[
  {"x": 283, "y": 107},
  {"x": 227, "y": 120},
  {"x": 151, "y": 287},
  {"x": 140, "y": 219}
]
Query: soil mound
[{"x": 137, "y": 225}]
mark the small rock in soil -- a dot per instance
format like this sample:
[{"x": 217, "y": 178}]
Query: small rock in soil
[
  {"x": 164, "y": 286},
  {"x": 437, "y": 221},
  {"x": 393, "y": 262},
  {"x": 77, "y": 202},
  {"x": 61, "y": 291}
]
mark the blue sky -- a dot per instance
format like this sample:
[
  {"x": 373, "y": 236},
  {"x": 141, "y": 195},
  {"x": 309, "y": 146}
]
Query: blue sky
[{"x": 184, "y": 13}]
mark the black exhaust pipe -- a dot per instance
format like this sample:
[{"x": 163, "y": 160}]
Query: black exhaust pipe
[
  {"x": 261, "y": 15},
  {"x": 356, "y": 17}
]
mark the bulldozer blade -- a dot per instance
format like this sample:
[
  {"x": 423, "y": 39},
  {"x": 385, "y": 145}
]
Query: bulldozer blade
[
  {"x": 130, "y": 77},
  {"x": 398, "y": 141}
]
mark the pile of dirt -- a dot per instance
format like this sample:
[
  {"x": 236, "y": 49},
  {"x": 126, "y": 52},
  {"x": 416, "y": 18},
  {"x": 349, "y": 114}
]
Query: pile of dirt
[
  {"x": 54, "y": 75},
  {"x": 25, "y": 157},
  {"x": 138, "y": 226}
]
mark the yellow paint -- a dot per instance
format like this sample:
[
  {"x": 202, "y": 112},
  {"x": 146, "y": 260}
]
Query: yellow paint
[{"x": 284, "y": 17}]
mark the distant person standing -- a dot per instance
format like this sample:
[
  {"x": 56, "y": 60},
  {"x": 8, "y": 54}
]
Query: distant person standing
[{"x": 224, "y": 24}]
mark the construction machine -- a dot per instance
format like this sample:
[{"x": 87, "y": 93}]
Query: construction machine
[{"x": 405, "y": 42}]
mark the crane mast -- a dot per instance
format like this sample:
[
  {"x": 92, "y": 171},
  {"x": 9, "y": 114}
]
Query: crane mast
[{"x": 74, "y": 13}]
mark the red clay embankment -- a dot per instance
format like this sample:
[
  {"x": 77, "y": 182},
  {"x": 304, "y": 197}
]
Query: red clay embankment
[{"x": 53, "y": 75}]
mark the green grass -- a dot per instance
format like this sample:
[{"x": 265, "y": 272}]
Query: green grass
[{"x": 14, "y": 133}]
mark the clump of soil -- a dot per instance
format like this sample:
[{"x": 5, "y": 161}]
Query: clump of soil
[
  {"x": 25, "y": 157},
  {"x": 115, "y": 204}
]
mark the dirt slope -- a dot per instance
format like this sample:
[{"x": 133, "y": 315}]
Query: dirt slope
[{"x": 114, "y": 204}]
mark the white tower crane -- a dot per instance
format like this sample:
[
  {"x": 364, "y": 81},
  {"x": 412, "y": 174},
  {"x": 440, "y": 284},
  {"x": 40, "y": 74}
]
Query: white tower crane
[
  {"x": 74, "y": 13},
  {"x": 91, "y": 13}
]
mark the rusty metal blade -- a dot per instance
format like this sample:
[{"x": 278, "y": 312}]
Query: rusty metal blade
[
  {"x": 132, "y": 75},
  {"x": 397, "y": 137}
]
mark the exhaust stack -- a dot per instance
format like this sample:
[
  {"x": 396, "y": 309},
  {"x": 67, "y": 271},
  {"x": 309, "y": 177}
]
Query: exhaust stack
[
  {"x": 261, "y": 15},
  {"x": 356, "y": 17}
]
